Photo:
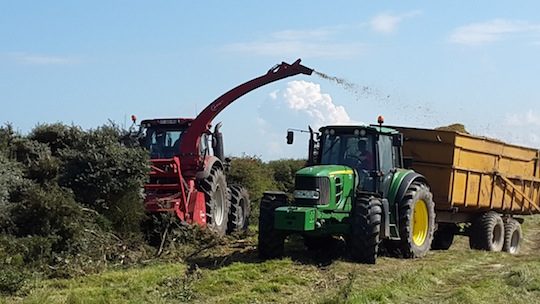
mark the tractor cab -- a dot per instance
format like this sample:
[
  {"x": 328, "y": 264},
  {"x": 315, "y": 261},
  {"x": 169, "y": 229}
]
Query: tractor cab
[{"x": 162, "y": 137}]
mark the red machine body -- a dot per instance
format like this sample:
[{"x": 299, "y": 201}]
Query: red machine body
[{"x": 178, "y": 178}]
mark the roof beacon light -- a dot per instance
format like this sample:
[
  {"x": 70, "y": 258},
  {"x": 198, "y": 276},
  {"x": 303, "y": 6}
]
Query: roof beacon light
[
  {"x": 380, "y": 120},
  {"x": 134, "y": 118}
]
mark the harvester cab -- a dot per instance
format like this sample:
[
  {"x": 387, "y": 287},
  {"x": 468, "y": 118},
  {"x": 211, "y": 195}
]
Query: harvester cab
[
  {"x": 355, "y": 187},
  {"x": 188, "y": 163}
]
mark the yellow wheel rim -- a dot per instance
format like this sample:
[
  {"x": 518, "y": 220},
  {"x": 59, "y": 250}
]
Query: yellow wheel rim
[{"x": 420, "y": 223}]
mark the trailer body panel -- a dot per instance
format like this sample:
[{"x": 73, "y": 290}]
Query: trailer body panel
[{"x": 474, "y": 174}]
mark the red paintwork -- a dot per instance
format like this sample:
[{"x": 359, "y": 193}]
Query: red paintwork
[{"x": 182, "y": 196}]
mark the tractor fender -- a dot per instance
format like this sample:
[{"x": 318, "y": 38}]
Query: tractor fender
[
  {"x": 406, "y": 182},
  {"x": 209, "y": 163}
]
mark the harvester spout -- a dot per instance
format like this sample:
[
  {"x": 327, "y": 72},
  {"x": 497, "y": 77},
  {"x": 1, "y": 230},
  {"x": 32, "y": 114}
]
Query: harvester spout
[
  {"x": 189, "y": 150},
  {"x": 296, "y": 66}
]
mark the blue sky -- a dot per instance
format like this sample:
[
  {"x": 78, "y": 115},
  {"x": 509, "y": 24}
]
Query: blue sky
[{"x": 418, "y": 63}]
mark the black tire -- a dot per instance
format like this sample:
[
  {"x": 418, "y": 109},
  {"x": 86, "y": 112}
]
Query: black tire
[
  {"x": 444, "y": 236},
  {"x": 217, "y": 200},
  {"x": 271, "y": 242},
  {"x": 487, "y": 232},
  {"x": 416, "y": 243},
  {"x": 240, "y": 209},
  {"x": 365, "y": 229},
  {"x": 512, "y": 236}
]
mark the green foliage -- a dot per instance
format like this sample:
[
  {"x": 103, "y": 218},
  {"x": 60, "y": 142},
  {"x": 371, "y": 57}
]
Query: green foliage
[
  {"x": 11, "y": 280},
  {"x": 36, "y": 158},
  {"x": 106, "y": 175},
  {"x": 56, "y": 136},
  {"x": 284, "y": 172},
  {"x": 46, "y": 211},
  {"x": 252, "y": 173}
]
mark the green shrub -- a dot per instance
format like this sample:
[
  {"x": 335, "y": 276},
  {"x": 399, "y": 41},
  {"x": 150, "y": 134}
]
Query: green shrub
[
  {"x": 46, "y": 211},
  {"x": 57, "y": 136},
  {"x": 11, "y": 279},
  {"x": 284, "y": 172}
]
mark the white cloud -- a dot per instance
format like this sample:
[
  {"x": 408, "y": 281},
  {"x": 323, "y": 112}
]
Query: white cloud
[
  {"x": 40, "y": 59},
  {"x": 530, "y": 118},
  {"x": 306, "y": 97},
  {"x": 491, "y": 31},
  {"x": 316, "y": 43},
  {"x": 521, "y": 128},
  {"x": 388, "y": 23}
]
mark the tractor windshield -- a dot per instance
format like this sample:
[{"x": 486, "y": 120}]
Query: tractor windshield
[
  {"x": 163, "y": 142},
  {"x": 353, "y": 151},
  {"x": 350, "y": 150}
]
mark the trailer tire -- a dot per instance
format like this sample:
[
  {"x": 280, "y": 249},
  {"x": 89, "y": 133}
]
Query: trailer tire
[
  {"x": 512, "y": 236},
  {"x": 364, "y": 240},
  {"x": 217, "y": 200},
  {"x": 240, "y": 209},
  {"x": 271, "y": 242},
  {"x": 487, "y": 232},
  {"x": 444, "y": 236},
  {"x": 416, "y": 221}
]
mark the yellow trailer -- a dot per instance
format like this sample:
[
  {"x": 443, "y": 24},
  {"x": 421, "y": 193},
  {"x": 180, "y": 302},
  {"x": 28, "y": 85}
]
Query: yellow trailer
[{"x": 481, "y": 182}]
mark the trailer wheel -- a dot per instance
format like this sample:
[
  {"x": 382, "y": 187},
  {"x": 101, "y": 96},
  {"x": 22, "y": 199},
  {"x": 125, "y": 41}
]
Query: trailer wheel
[
  {"x": 443, "y": 236},
  {"x": 365, "y": 229},
  {"x": 512, "y": 236},
  {"x": 240, "y": 209},
  {"x": 416, "y": 221},
  {"x": 487, "y": 232},
  {"x": 217, "y": 200},
  {"x": 271, "y": 241}
]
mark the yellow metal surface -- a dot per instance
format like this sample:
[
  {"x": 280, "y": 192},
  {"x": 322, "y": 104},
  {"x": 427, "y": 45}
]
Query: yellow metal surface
[
  {"x": 474, "y": 173},
  {"x": 420, "y": 223}
]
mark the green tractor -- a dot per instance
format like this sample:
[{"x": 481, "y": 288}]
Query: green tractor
[{"x": 355, "y": 187}]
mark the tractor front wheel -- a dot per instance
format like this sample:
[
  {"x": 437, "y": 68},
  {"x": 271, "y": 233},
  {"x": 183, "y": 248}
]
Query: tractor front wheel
[
  {"x": 271, "y": 241},
  {"x": 217, "y": 200},
  {"x": 365, "y": 229}
]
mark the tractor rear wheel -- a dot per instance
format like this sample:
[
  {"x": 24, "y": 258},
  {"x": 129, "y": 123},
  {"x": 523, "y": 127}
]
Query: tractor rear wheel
[
  {"x": 487, "y": 232},
  {"x": 217, "y": 200},
  {"x": 364, "y": 240},
  {"x": 444, "y": 236},
  {"x": 512, "y": 236},
  {"x": 271, "y": 242},
  {"x": 240, "y": 209},
  {"x": 416, "y": 221}
]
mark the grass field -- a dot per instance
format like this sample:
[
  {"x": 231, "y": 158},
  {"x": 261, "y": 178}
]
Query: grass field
[{"x": 234, "y": 274}]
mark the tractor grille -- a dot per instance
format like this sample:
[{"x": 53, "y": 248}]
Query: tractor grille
[{"x": 313, "y": 183}]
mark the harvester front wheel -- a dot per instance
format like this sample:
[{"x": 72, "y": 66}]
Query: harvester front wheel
[
  {"x": 416, "y": 221},
  {"x": 240, "y": 209},
  {"x": 365, "y": 229},
  {"x": 444, "y": 236},
  {"x": 217, "y": 200},
  {"x": 512, "y": 236},
  {"x": 271, "y": 241},
  {"x": 487, "y": 232}
]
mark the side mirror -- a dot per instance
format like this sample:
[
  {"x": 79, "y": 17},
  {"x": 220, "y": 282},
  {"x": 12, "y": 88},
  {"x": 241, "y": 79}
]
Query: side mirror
[
  {"x": 397, "y": 140},
  {"x": 290, "y": 137}
]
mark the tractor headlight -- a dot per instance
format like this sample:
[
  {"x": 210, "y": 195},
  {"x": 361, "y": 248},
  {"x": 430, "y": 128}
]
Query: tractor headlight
[{"x": 306, "y": 194}]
